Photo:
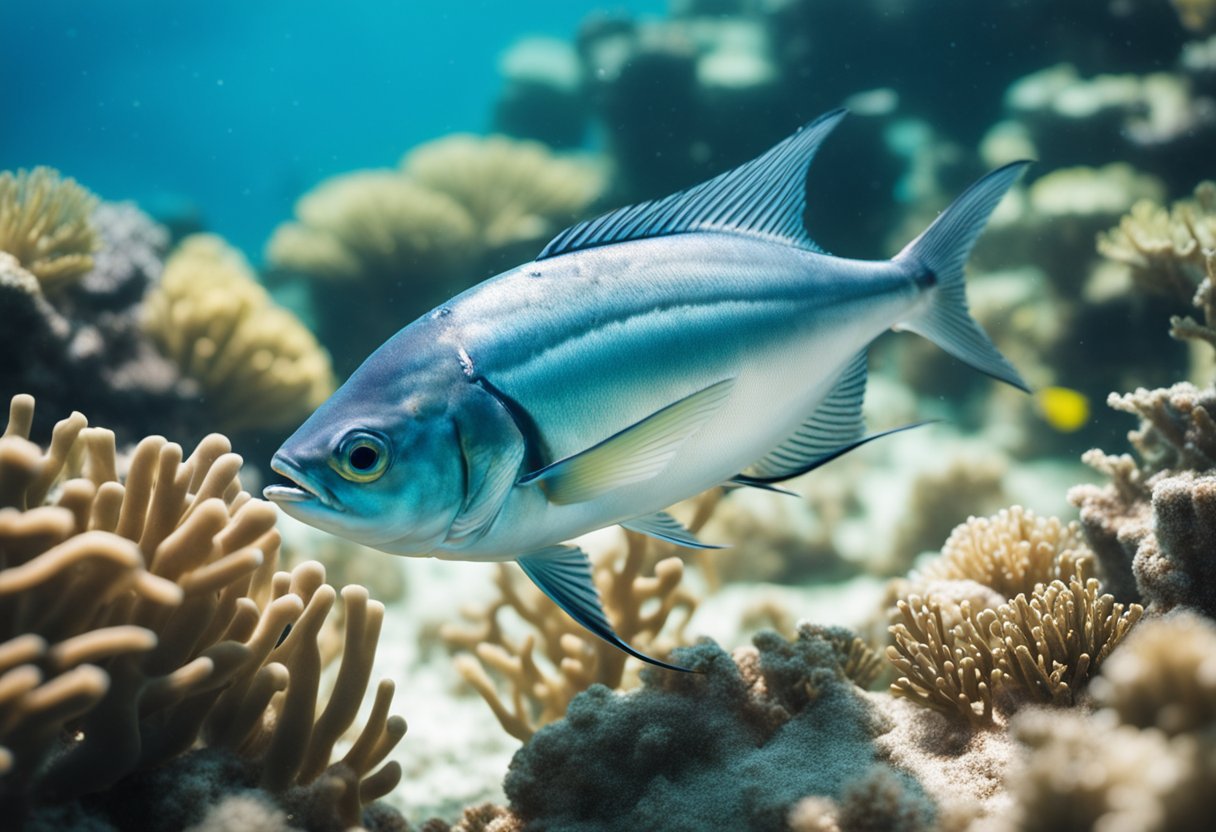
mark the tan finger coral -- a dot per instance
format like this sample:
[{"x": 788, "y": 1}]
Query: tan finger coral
[
  {"x": 44, "y": 223},
  {"x": 257, "y": 364},
  {"x": 141, "y": 618}
]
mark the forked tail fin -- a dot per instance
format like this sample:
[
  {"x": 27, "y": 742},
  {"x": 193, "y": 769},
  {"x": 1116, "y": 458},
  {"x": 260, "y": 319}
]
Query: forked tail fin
[{"x": 942, "y": 251}]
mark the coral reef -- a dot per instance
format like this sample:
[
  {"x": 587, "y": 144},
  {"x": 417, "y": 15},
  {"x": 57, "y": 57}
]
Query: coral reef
[
  {"x": 256, "y": 365},
  {"x": 699, "y": 750},
  {"x": 1145, "y": 760},
  {"x": 379, "y": 248},
  {"x": 149, "y": 645},
  {"x": 1009, "y": 615},
  {"x": 82, "y": 346},
  {"x": 44, "y": 223}
]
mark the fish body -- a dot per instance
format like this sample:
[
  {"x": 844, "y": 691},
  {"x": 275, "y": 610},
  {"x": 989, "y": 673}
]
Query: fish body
[
  {"x": 643, "y": 357},
  {"x": 630, "y": 328}
]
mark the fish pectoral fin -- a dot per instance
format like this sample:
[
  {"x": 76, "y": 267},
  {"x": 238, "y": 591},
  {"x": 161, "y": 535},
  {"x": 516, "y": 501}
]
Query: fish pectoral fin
[
  {"x": 811, "y": 465},
  {"x": 635, "y": 454},
  {"x": 663, "y": 526},
  {"x": 564, "y": 574},
  {"x": 836, "y": 423}
]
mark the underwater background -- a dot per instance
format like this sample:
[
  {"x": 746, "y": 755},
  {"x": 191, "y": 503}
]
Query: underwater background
[{"x": 210, "y": 214}]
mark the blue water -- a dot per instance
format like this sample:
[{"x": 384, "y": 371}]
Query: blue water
[{"x": 230, "y": 110}]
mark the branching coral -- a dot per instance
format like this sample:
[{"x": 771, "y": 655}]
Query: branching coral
[
  {"x": 1041, "y": 645},
  {"x": 645, "y": 601},
  {"x": 44, "y": 223},
  {"x": 1011, "y": 552},
  {"x": 1165, "y": 249},
  {"x": 1152, "y": 525},
  {"x": 258, "y": 366},
  {"x": 141, "y": 617}
]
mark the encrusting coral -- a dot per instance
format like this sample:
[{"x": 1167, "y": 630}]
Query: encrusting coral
[
  {"x": 1010, "y": 614},
  {"x": 147, "y": 644},
  {"x": 736, "y": 745},
  {"x": 257, "y": 365},
  {"x": 644, "y": 598},
  {"x": 44, "y": 223}
]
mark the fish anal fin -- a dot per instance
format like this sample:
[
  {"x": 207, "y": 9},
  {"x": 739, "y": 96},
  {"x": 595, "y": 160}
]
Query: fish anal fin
[
  {"x": 564, "y": 574},
  {"x": 836, "y": 423},
  {"x": 635, "y": 454},
  {"x": 663, "y": 526},
  {"x": 818, "y": 462}
]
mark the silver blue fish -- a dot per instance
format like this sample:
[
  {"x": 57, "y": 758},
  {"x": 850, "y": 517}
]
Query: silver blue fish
[{"x": 641, "y": 358}]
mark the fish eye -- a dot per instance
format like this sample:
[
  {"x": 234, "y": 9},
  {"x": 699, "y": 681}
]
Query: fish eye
[{"x": 362, "y": 456}]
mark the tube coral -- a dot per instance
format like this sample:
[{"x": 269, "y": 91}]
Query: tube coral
[
  {"x": 44, "y": 223},
  {"x": 257, "y": 365},
  {"x": 141, "y": 618}
]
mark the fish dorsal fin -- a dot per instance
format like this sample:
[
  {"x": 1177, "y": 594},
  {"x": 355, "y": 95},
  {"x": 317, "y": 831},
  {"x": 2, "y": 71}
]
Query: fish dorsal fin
[
  {"x": 835, "y": 424},
  {"x": 663, "y": 526},
  {"x": 564, "y": 574},
  {"x": 765, "y": 197},
  {"x": 635, "y": 454}
]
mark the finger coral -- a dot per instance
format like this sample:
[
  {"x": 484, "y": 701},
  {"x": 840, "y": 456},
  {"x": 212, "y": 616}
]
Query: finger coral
[
  {"x": 44, "y": 223},
  {"x": 643, "y": 598},
  {"x": 257, "y": 365},
  {"x": 143, "y": 629}
]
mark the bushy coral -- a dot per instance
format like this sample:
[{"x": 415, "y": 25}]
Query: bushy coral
[
  {"x": 1146, "y": 759},
  {"x": 44, "y": 223},
  {"x": 83, "y": 347},
  {"x": 143, "y": 619},
  {"x": 256, "y": 364},
  {"x": 1038, "y": 637}
]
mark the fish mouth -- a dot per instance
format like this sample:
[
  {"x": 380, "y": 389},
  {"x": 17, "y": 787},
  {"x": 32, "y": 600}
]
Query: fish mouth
[{"x": 302, "y": 489}]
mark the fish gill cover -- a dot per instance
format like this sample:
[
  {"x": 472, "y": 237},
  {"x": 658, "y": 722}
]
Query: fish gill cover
[{"x": 363, "y": 164}]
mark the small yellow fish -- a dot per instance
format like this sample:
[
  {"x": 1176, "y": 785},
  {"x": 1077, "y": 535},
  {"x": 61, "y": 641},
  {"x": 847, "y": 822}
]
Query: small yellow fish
[{"x": 1063, "y": 408}]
